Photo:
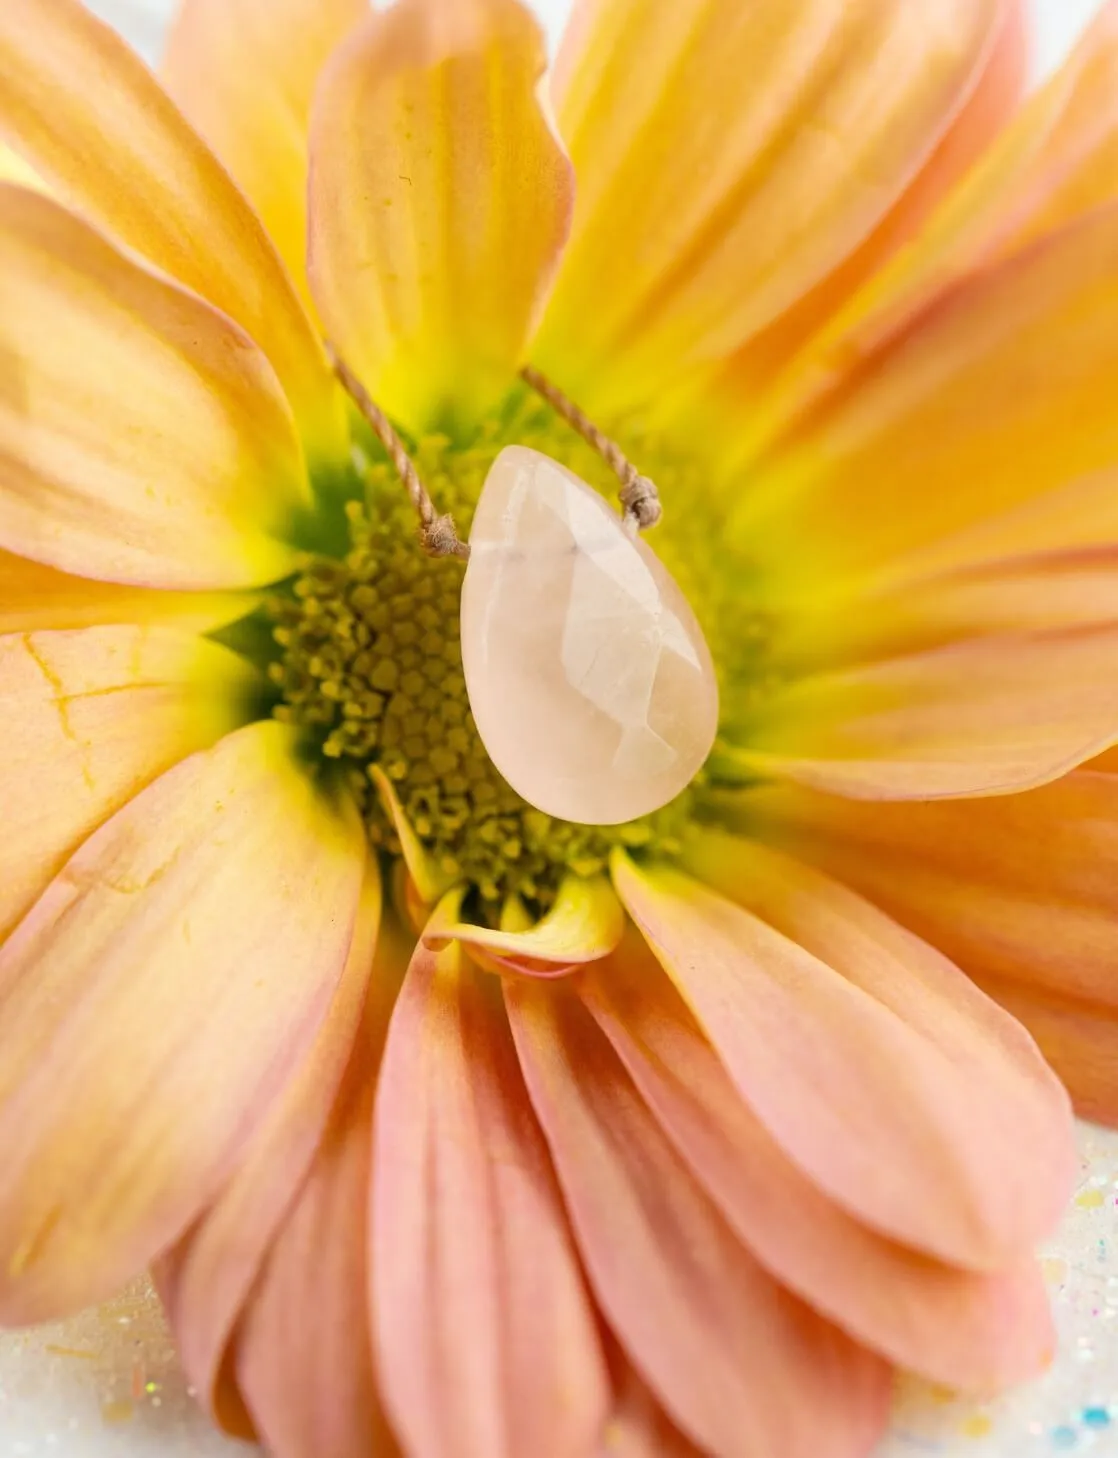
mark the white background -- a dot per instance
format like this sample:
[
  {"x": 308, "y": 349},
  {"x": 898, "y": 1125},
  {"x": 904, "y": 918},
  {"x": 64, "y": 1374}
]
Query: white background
[{"x": 105, "y": 1385}]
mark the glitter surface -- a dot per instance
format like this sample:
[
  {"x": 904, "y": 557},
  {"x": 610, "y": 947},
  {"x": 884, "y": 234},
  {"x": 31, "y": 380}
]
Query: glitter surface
[{"x": 106, "y": 1385}]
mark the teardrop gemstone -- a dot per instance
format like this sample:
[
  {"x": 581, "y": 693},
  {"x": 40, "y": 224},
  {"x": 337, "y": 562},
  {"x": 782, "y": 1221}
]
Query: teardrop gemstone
[{"x": 589, "y": 679}]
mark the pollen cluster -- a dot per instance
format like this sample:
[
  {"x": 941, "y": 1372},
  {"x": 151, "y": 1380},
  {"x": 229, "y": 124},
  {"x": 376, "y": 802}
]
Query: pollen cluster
[{"x": 369, "y": 663}]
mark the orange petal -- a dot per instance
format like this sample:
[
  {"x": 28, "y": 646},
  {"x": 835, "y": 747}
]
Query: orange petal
[
  {"x": 89, "y": 116},
  {"x": 145, "y": 438},
  {"x": 1079, "y": 1039},
  {"x": 882, "y": 1073},
  {"x": 34, "y": 596},
  {"x": 584, "y": 924},
  {"x": 206, "y": 1279},
  {"x": 244, "y": 73},
  {"x": 997, "y": 395},
  {"x": 1018, "y": 888},
  {"x": 970, "y": 1331},
  {"x": 486, "y": 1339},
  {"x": 304, "y": 1348},
  {"x": 154, "y": 1003},
  {"x": 440, "y": 199},
  {"x": 1030, "y": 593},
  {"x": 1054, "y": 164},
  {"x": 737, "y": 1361},
  {"x": 707, "y": 209},
  {"x": 975, "y": 718},
  {"x": 90, "y": 717}
]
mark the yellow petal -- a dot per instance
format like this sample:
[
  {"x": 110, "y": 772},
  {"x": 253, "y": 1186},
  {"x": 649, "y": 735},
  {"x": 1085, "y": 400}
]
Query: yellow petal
[
  {"x": 1056, "y": 163},
  {"x": 1000, "y": 394},
  {"x": 585, "y": 924},
  {"x": 154, "y": 1002},
  {"x": 244, "y": 73},
  {"x": 440, "y": 199},
  {"x": 427, "y": 877},
  {"x": 145, "y": 438},
  {"x": 729, "y": 158},
  {"x": 90, "y": 717},
  {"x": 36, "y": 596},
  {"x": 14, "y": 168},
  {"x": 87, "y": 115}
]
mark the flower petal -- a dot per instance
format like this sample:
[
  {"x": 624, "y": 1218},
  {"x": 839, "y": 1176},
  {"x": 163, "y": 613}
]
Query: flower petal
[
  {"x": 486, "y": 1339},
  {"x": 87, "y": 114},
  {"x": 681, "y": 252},
  {"x": 429, "y": 879},
  {"x": 975, "y": 718},
  {"x": 34, "y": 596},
  {"x": 90, "y": 717},
  {"x": 585, "y": 923},
  {"x": 1054, "y": 164},
  {"x": 1079, "y": 1039},
  {"x": 144, "y": 436},
  {"x": 882, "y": 1073},
  {"x": 736, "y": 1360},
  {"x": 1019, "y": 888},
  {"x": 639, "y": 1427},
  {"x": 206, "y": 1279},
  {"x": 317, "y": 1397},
  {"x": 244, "y": 73},
  {"x": 153, "y": 1004},
  {"x": 1004, "y": 380},
  {"x": 970, "y": 1331},
  {"x": 440, "y": 198},
  {"x": 1046, "y": 591}
]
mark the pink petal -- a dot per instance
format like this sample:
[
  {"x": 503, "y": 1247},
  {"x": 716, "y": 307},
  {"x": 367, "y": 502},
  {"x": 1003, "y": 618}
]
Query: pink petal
[
  {"x": 304, "y": 1353},
  {"x": 970, "y": 1331},
  {"x": 903, "y": 1093},
  {"x": 638, "y": 1426},
  {"x": 206, "y": 1278},
  {"x": 485, "y": 1336},
  {"x": 743, "y": 1367},
  {"x": 1079, "y": 1039},
  {"x": 1015, "y": 888},
  {"x": 153, "y": 1004}
]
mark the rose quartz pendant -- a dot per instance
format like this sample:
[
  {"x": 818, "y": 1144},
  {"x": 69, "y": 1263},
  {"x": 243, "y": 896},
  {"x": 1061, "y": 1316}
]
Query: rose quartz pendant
[{"x": 589, "y": 679}]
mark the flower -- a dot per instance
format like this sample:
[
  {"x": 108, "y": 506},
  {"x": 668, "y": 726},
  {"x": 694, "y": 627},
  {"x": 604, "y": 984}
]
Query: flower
[{"x": 444, "y": 1124}]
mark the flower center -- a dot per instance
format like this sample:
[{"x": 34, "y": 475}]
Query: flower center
[{"x": 370, "y": 664}]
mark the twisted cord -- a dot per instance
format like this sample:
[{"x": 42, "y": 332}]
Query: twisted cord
[
  {"x": 640, "y": 501},
  {"x": 437, "y": 533}
]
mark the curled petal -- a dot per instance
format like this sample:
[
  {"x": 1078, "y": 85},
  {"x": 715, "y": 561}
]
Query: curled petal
[
  {"x": 203, "y": 930},
  {"x": 881, "y": 1071},
  {"x": 91, "y": 716},
  {"x": 440, "y": 199},
  {"x": 486, "y": 1338},
  {"x": 144, "y": 437},
  {"x": 90, "y": 118},
  {"x": 585, "y": 923}
]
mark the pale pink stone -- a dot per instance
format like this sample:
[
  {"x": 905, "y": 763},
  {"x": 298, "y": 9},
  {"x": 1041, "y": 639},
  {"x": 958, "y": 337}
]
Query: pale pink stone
[{"x": 589, "y": 678}]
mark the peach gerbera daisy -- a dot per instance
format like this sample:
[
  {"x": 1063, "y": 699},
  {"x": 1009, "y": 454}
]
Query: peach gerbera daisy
[{"x": 444, "y": 1124}]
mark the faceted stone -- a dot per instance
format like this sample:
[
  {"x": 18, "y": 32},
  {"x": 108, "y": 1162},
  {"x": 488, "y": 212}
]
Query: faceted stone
[{"x": 589, "y": 678}]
